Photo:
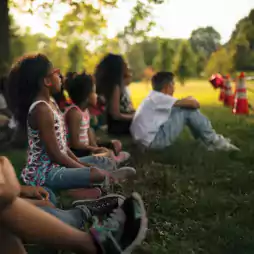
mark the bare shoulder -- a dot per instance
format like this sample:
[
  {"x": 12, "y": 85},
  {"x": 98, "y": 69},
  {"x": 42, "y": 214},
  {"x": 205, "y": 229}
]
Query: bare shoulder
[{"x": 73, "y": 113}]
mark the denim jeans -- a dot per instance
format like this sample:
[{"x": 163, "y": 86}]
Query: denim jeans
[
  {"x": 198, "y": 124},
  {"x": 73, "y": 178},
  {"x": 73, "y": 217}
]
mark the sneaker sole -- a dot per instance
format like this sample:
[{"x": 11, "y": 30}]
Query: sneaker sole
[
  {"x": 123, "y": 173},
  {"x": 143, "y": 225},
  {"x": 75, "y": 203}
]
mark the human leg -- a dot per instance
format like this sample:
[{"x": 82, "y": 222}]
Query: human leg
[
  {"x": 109, "y": 165},
  {"x": 74, "y": 217},
  {"x": 83, "y": 210},
  {"x": 199, "y": 125},
  {"x": 73, "y": 178},
  {"x": 122, "y": 231},
  {"x": 35, "y": 226},
  {"x": 170, "y": 130},
  {"x": 9, "y": 243},
  {"x": 100, "y": 162}
]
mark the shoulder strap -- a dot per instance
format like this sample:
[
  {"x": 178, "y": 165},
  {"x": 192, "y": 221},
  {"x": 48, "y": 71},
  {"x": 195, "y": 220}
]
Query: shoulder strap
[
  {"x": 71, "y": 107},
  {"x": 34, "y": 104}
]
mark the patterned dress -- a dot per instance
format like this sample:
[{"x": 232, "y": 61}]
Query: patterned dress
[{"x": 38, "y": 162}]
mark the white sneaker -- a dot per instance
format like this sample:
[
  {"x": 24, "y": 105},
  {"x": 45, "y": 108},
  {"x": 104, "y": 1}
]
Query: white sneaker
[
  {"x": 119, "y": 174},
  {"x": 223, "y": 144},
  {"x": 123, "y": 173}
]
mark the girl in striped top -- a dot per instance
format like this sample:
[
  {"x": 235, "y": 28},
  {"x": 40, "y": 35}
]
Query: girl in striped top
[{"x": 80, "y": 136}]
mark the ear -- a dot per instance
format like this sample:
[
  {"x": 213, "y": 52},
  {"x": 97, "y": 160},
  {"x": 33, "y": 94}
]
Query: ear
[{"x": 47, "y": 82}]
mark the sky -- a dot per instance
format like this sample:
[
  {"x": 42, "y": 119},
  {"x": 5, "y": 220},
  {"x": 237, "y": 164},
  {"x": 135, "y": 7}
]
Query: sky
[{"x": 174, "y": 18}]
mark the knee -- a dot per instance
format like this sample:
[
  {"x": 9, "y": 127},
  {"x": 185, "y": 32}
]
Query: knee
[{"x": 96, "y": 176}]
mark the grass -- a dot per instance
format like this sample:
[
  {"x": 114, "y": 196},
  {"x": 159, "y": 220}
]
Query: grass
[{"x": 197, "y": 201}]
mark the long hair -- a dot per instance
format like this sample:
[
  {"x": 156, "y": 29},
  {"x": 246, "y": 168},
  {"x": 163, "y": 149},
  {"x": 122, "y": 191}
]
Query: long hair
[
  {"x": 109, "y": 74},
  {"x": 24, "y": 82}
]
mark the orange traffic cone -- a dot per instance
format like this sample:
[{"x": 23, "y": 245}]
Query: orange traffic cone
[
  {"x": 241, "y": 105},
  {"x": 229, "y": 96}
]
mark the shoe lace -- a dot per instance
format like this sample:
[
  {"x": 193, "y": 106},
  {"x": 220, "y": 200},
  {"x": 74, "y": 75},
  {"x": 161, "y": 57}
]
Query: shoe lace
[
  {"x": 105, "y": 203},
  {"x": 111, "y": 224}
]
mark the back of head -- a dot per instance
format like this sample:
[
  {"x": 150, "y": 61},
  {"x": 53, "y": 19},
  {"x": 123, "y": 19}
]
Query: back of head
[
  {"x": 160, "y": 79},
  {"x": 24, "y": 82},
  {"x": 79, "y": 88},
  {"x": 109, "y": 74}
]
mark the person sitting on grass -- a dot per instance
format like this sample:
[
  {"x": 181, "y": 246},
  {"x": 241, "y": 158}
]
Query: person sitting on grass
[
  {"x": 111, "y": 77},
  {"x": 82, "y": 211},
  {"x": 31, "y": 82},
  {"x": 82, "y": 140},
  {"x": 161, "y": 118},
  {"x": 120, "y": 232}
]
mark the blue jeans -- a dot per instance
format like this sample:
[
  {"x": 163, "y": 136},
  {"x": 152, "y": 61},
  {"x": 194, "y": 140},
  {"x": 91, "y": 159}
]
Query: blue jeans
[
  {"x": 73, "y": 217},
  {"x": 198, "y": 124},
  {"x": 74, "y": 178},
  {"x": 52, "y": 196}
]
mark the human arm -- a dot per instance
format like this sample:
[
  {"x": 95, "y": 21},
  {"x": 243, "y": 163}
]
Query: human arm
[
  {"x": 188, "y": 102},
  {"x": 37, "y": 192},
  {"x": 73, "y": 120},
  {"x": 41, "y": 203},
  {"x": 44, "y": 123},
  {"x": 9, "y": 185},
  {"x": 114, "y": 107}
]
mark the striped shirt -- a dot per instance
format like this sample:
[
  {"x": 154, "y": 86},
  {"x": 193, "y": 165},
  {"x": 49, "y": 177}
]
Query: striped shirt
[{"x": 84, "y": 124}]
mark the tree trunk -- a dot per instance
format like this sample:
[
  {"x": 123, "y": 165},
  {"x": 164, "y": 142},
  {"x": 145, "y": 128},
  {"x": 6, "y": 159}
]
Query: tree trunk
[{"x": 4, "y": 37}]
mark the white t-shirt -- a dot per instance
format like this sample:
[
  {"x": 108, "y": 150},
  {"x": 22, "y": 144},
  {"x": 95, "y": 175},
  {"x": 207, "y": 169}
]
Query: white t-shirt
[{"x": 154, "y": 110}]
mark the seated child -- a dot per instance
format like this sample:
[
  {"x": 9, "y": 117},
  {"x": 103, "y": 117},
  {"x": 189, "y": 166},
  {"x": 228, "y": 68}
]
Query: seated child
[
  {"x": 112, "y": 76},
  {"x": 82, "y": 210},
  {"x": 31, "y": 82},
  {"x": 120, "y": 232},
  {"x": 82, "y": 140},
  {"x": 160, "y": 118}
]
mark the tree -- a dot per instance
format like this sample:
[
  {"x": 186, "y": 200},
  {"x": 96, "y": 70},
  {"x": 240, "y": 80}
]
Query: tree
[
  {"x": 150, "y": 48},
  {"x": 242, "y": 40},
  {"x": 205, "y": 40},
  {"x": 220, "y": 61},
  {"x": 5, "y": 36},
  {"x": 141, "y": 12},
  {"x": 74, "y": 53},
  {"x": 185, "y": 62},
  {"x": 136, "y": 62}
]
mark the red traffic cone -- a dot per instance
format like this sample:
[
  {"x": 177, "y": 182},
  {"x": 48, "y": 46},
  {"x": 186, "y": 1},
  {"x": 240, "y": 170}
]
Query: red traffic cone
[
  {"x": 241, "y": 105},
  {"x": 229, "y": 96}
]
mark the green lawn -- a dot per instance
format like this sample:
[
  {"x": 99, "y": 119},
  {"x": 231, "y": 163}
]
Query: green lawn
[{"x": 197, "y": 201}]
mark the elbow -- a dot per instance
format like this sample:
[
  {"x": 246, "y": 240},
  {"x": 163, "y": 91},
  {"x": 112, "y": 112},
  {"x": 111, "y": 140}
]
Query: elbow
[
  {"x": 116, "y": 115},
  {"x": 56, "y": 156},
  {"x": 75, "y": 144}
]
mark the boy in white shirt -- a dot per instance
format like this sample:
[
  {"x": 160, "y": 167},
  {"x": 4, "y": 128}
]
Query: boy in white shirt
[{"x": 160, "y": 118}]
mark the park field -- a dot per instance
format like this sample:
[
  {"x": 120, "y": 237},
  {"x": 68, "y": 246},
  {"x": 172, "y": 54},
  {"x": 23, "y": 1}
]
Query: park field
[{"x": 197, "y": 201}]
